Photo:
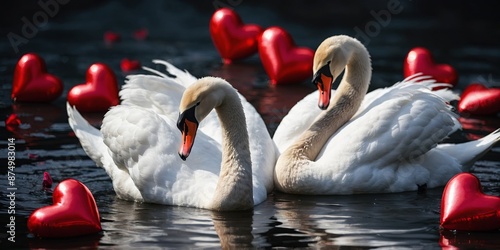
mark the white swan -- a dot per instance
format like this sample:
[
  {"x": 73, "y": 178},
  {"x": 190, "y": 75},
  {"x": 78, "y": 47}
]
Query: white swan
[
  {"x": 387, "y": 141},
  {"x": 138, "y": 144}
]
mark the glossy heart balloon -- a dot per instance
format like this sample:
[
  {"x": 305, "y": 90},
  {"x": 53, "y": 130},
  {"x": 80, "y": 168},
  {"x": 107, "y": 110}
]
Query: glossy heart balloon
[
  {"x": 128, "y": 65},
  {"x": 32, "y": 83},
  {"x": 419, "y": 60},
  {"x": 232, "y": 38},
  {"x": 73, "y": 213},
  {"x": 283, "y": 61},
  {"x": 99, "y": 93},
  {"x": 477, "y": 99},
  {"x": 464, "y": 206}
]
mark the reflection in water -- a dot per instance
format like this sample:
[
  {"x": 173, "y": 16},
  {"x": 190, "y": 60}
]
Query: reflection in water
[
  {"x": 36, "y": 119},
  {"x": 470, "y": 240},
  {"x": 234, "y": 229},
  {"x": 87, "y": 242},
  {"x": 360, "y": 220},
  {"x": 477, "y": 126}
]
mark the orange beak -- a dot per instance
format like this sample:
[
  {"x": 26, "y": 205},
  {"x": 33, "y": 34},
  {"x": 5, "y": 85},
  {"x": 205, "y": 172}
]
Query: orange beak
[
  {"x": 188, "y": 125},
  {"x": 323, "y": 79},
  {"x": 325, "y": 91}
]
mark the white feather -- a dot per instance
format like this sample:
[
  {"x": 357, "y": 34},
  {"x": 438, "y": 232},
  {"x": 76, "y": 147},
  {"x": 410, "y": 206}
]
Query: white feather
[{"x": 139, "y": 141}]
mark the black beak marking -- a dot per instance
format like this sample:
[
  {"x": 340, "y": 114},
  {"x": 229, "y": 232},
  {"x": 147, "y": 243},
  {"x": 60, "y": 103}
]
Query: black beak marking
[{"x": 325, "y": 70}]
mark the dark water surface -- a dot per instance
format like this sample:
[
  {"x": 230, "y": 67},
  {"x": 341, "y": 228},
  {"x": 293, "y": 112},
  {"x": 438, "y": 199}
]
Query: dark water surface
[{"x": 462, "y": 33}]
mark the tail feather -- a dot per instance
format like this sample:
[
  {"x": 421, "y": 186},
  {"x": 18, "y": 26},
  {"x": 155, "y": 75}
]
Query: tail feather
[
  {"x": 93, "y": 144},
  {"x": 467, "y": 153},
  {"x": 90, "y": 137}
]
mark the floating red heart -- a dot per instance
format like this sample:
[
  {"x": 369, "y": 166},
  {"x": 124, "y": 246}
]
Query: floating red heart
[
  {"x": 99, "y": 93},
  {"x": 32, "y": 83},
  {"x": 283, "y": 61},
  {"x": 419, "y": 60},
  {"x": 128, "y": 65},
  {"x": 477, "y": 99},
  {"x": 73, "y": 213},
  {"x": 464, "y": 206},
  {"x": 233, "y": 39}
]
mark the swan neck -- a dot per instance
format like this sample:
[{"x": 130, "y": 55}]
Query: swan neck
[
  {"x": 344, "y": 104},
  {"x": 234, "y": 189},
  {"x": 346, "y": 101}
]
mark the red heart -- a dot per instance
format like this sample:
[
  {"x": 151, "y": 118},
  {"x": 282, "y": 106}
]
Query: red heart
[
  {"x": 47, "y": 180},
  {"x": 32, "y": 83},
  {"x": 111, "y": 37},
  {"x": 128, "y": 65},
  {"x": 283, "y": 61},
  {"x": 233, "y": 39},
  {"x": 73, "y": 213},
  {"x": 12, "y": 122},
  {"x": 419, "y": 60},
  {"x": 141, "y": 34},
  {"x": 464, "y": 206},
  {"x": 477, "y": 99},
  {"x": 99, "y": 93}
]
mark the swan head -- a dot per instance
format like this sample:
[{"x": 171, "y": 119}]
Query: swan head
[
  {"x": 330, "y": 60},
  {"x": 197, "y": 102}
]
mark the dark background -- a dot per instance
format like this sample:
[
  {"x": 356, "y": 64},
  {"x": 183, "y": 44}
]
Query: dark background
[{"x": 465, "y": 34}]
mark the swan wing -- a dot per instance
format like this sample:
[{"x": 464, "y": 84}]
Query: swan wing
[
  {"x": 383, "y": 148},
  {"x": 145, "y": 145},
  {"x": 158, "y": 91},
  {"x": 139, "y": 140},
  {"x": 92, "y": 142}
]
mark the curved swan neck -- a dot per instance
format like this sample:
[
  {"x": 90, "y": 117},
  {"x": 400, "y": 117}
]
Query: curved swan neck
[
  {"x": 234, "y": 189},
  {"x": 343, "y": 106},
  {"x": 347, "y": 99}
]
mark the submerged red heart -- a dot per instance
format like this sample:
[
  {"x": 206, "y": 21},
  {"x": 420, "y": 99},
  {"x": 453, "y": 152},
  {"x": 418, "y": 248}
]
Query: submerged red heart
[
  {"x": 141, "y": 34},
  {"x": 73, "y": 213},
  {"x": 283, "y": 61},
  {"x": 111, "y": 37},
  {"x": 464, "y": 206},
  {"x": 47, "y": 180},
  {"x": 128, "y": 65}
]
